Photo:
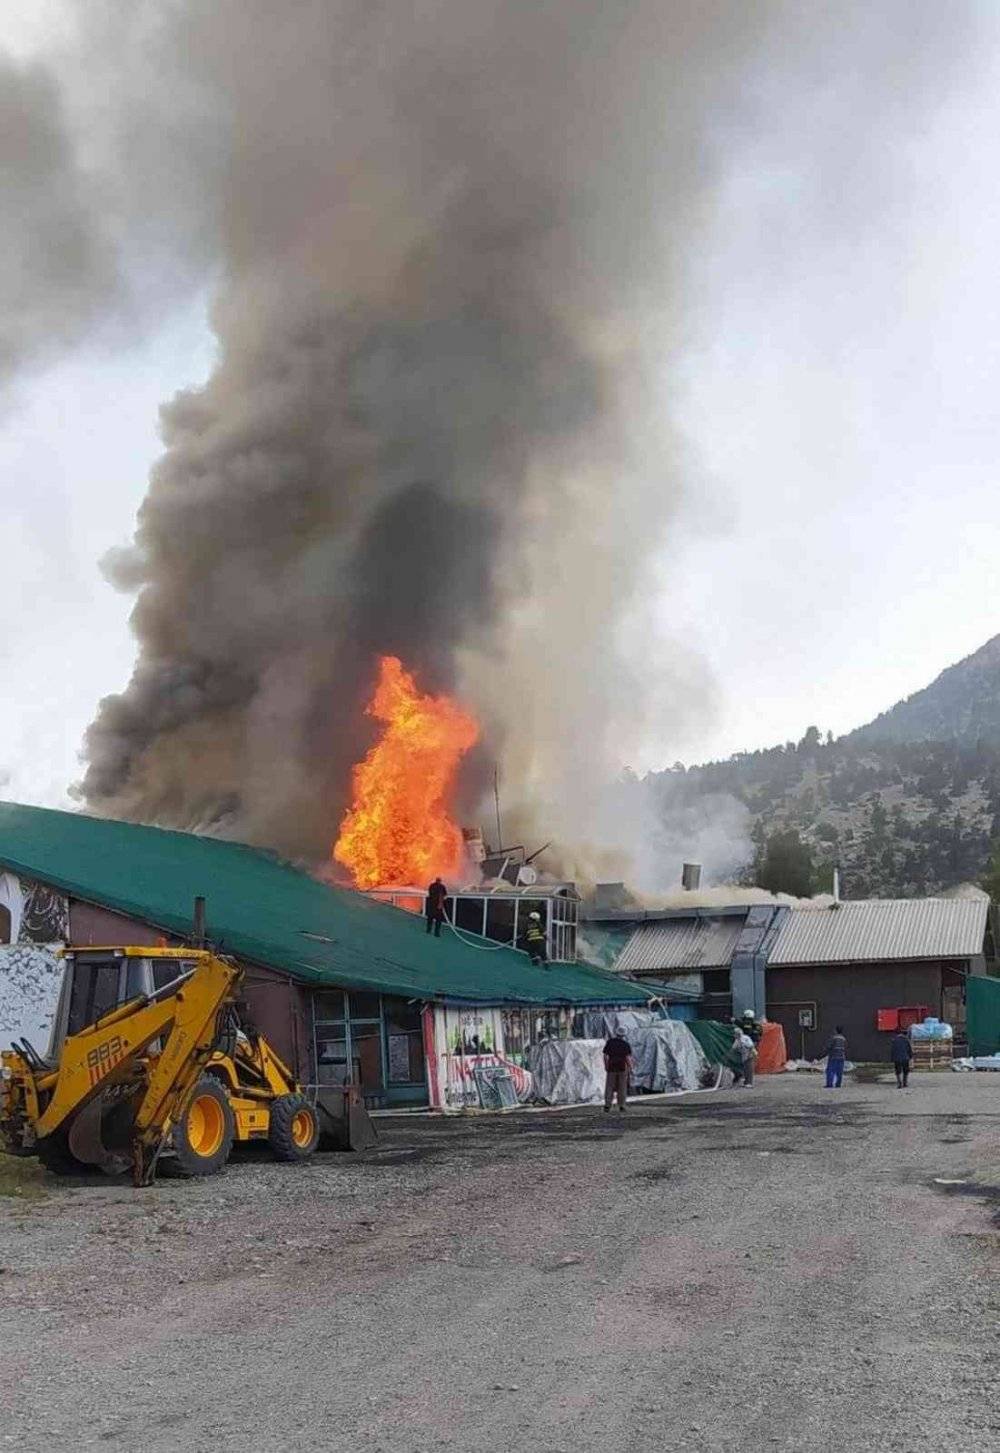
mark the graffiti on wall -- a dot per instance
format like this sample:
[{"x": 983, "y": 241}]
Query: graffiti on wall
[
  {"x": 37, "y": 914},
  {"x": 469, "y": 1060},
  {"x": 30, "y": 975},
  {"x": 30, "y": 969}
]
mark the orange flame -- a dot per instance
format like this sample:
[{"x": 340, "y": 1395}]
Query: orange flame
[{"x": 398, "y": 829}]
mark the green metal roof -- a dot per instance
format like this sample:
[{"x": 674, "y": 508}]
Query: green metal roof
[{"x": 267, "y": 911}]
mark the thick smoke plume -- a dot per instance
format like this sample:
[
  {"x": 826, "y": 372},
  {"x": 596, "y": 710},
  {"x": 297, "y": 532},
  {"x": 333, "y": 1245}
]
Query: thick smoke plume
[
  {"x": 59, "y": 273},
  {"x": 452, "y": 242}
]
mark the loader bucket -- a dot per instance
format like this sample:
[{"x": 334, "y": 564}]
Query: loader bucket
[{"x": 344, "y": 1122}]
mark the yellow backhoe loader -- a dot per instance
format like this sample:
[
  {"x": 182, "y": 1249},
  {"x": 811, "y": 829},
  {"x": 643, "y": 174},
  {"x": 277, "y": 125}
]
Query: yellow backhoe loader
[{"x": 148, "y": 1066}]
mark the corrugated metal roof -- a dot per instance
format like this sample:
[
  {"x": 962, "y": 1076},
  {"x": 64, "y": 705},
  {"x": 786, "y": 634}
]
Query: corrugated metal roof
[
  {"x": 874, "y": 929},
  {"x": 271, "y": 913},
  {"x": 680, "y": 943}
]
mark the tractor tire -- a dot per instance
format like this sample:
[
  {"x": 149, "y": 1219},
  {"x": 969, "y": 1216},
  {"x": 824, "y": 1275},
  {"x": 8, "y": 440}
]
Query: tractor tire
[
  {"x": 56, "y": 1156},
  {"x": 294, "y": 1129},
  {"x": 203, "y": 1137}
]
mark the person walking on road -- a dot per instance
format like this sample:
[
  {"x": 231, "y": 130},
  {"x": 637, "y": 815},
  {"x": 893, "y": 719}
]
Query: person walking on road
[
  {"x": 436, "y": 895},
  {"x": 747, "y": 1051},
  {"x": 836, "y": 1054},
  {"x": 901, "y": 1054},
  {"x": 617, "y": 1069}
]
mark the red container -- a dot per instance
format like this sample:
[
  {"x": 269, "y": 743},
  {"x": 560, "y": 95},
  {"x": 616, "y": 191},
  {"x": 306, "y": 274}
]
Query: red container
[
  {"x": 886, "y": 1019},
  {"x": 910, "y": 1014}
]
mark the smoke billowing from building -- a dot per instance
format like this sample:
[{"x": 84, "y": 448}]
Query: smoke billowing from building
[
  {"x": 58, "y": 273},
  {"x": 450, "y": 244}
]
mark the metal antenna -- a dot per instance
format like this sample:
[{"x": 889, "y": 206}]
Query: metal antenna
[{"x": 496, "y": 799}]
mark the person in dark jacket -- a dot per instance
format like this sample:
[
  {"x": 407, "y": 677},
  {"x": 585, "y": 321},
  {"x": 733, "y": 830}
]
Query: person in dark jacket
[
  {"x": 534, "y": 940},
  {"x": 901, "y": 1054},
  {"x": 617, "y": 1069},
  {"x": 836, "y": 1054},
  {"x": 436, "y": 895}
]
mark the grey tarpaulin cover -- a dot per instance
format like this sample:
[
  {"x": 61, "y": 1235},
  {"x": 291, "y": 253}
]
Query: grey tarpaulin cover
[
  {"x": 667, "y": 1057},
  {"x": 571, "y": 1071},
  {"x": 568, "y": 1071},
  {"x": 600, "y": 1023}
]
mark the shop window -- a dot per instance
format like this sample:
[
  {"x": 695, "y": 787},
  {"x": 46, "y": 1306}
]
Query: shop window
[
  {"x": 406, "y": 1059},
  {"x": 364, "y": 1006},
  {"x": 332, "y": 1064},
  {"x": 500, "y": 919},
  {"x": 4, "y": 924},
  {"x": 549, "y": 1024},
  {"x": 402, "y": 1016},
  {"x": 516, "y": 1034},
  {"x": 329, "y": 1004},
  {"x": 404, "y": 1042},
  {"x": 366, "y": 1052},
  {"x": 469, "y": 914}
]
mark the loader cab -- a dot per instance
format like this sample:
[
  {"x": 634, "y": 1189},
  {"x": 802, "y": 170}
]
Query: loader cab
[{"x": 98, "y": 980}]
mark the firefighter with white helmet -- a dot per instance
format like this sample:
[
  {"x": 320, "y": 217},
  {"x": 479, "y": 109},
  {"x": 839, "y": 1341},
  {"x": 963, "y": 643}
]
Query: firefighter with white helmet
[
  {"x": 752, "y": 1026},
  {"x": 534, "y": 940}
]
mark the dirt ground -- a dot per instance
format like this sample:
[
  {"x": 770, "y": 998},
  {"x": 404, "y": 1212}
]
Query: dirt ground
[{"x": 783, "y": 1268}]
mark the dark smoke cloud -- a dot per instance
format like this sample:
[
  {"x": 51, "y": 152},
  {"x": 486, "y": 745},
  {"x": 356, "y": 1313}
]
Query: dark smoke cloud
[
  {"x": 59, "y": 270},
  {"x": 453, "y": 239}
]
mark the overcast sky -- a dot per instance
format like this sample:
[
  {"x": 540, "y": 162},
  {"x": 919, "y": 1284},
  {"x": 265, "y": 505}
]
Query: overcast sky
[
  {"x": 838, "y": 397},
  {"x": 843, "y": 409}
]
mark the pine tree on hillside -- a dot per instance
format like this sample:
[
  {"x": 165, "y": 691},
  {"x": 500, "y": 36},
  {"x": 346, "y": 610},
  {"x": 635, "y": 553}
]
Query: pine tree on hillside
[
  {"x": 786, "y": 865},
  {"x": 990, "y": 881}
]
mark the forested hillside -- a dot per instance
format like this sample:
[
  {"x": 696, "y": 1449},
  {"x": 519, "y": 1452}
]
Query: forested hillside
[{"x": 908, "y": 804}]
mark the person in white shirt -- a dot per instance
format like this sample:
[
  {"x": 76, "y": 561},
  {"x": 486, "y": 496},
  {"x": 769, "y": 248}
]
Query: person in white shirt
[{"x": 747, "y": 1051}]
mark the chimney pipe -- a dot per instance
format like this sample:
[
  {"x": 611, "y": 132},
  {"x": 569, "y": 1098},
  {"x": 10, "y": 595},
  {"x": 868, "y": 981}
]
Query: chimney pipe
[
  {"x": 836, "y": 885},
  {"x": 691, "y": 876},
  {"x": 199, "y": 923}
]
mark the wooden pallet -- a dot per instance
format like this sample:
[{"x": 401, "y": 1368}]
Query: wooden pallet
[{"x": 931, "y": 1054}]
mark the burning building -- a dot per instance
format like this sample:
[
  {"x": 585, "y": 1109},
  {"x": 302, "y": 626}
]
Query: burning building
[
  {"x": 399, "y": 832},
  {"x": 346, "y": 988},
  {"x": 499, "y": 912}
]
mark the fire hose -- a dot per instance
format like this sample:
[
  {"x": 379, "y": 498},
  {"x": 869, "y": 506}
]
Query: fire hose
[{"x": 462, "y": 937}]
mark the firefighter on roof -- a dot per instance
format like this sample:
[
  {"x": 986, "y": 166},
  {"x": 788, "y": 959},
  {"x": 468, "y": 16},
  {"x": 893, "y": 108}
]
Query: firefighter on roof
[{"x": 534, "y": 940}]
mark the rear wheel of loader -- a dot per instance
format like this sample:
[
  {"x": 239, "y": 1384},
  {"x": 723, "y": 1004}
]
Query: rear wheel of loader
[
  {"x": 294, "y": 1128},
  {"x": 56, "y": 1156},
  {"x": 203, "y": 1137}
]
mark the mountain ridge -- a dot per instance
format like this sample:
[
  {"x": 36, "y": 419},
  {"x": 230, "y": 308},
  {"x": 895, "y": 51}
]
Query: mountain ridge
[
  {"x": 907, "y": 804},
  {"x": 962, "y": 703}
]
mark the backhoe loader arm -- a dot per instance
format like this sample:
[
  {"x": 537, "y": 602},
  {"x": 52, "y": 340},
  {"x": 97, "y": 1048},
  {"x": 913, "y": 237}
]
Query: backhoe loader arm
[
  {"x": 174, "y": 1074},
  {"x": 111, "y": 1052}
]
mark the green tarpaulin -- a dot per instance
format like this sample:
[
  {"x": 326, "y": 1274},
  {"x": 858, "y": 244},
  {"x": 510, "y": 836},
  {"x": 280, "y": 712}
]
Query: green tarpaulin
[
  {"x": 982, "y": 1010},
  {"x": 715, "y": 1039}
]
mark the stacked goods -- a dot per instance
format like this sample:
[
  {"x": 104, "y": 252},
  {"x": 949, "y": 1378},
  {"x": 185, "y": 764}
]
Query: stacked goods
[{"x": 932, "y": 1044}]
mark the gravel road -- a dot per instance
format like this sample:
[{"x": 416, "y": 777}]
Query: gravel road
[{"x": 776, "y": 1268}]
